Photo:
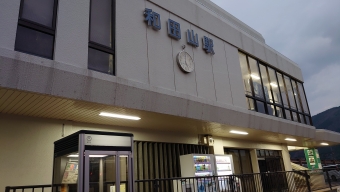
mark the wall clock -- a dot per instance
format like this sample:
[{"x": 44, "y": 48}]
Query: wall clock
[{"x": 185, "y": 62}]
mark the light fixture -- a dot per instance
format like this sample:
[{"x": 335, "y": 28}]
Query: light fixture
[
  {"x": 324, "y": 143},
  {"x": 76, "y": 155},
  {"x": 290, "y": 139},
  {"x": 273, "y": 84},
  {"x": 239, "y": 132},
  {"x": 254, "y": 76},
  {"x": 119, "y": 116}
]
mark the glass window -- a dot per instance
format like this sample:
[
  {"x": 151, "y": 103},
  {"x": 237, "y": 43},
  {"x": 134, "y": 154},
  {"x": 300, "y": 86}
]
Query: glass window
[
  {"x": 251, "y": 105},
  {"x": 271, "y": 109},
  {"x": 101, "y": 22},
  {"x": 100, "y": 61},
  {"x": 274, "y": 86},
  {"x": 236, "y": 160},
  {"x": 260, "y": 107},
  {"x": 303, "y": 98},
  {"x": 255, "y": 76},
  {"x": 101, "y": 45},
  {"x": 295, "y": 117},
  {"x": 34, "y": 42},
  {"x": 266, "y": 86},
  {"x": 302, "y": 119},
  {"x": 288, "y": 115},
  {"x": 296, "y": 95},
  {"x": 290, "y": 92},
  {"x": 279, "y": 112},
  {"x": 246, "y": 163},
  {"x": 283, "y": 90},
  {"x": 39, "y": 11},
  {"x": 245, "y": 73}
]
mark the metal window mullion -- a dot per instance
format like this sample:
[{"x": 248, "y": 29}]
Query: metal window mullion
[
  {"x": 100, "y": 47},
  {"x": 55, "y": 10},
  {"x": 36, "y": 26}
]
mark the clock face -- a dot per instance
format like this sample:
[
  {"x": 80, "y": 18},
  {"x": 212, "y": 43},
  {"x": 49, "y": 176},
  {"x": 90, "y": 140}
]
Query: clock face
[{"x": 185, "y": 61}]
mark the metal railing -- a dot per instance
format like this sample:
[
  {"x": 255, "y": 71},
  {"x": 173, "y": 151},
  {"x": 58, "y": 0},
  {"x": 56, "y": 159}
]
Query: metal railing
[{"x": 297, "y": 181}]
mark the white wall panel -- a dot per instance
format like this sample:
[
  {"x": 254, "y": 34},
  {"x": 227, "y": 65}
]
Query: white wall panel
[
  {"x": 247, "y": 44},
  {"x": 221, "y": 75},
  {"x": 203, "y": 69},
  {"x": 235, "y": 77},
  {"x": 184, "y": 82},
  {"x": 131, "y": 42},
  {"x": 161, "y": 69},
  {"x": 72, "y": 33},
  {"x": 9, "y": 15}
]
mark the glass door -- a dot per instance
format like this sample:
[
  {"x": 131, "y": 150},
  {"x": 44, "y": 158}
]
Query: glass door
[{"x": 107, "y": 171}]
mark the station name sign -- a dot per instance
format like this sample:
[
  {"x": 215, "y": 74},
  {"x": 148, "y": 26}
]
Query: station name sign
[{"x": 174, "y": 31}]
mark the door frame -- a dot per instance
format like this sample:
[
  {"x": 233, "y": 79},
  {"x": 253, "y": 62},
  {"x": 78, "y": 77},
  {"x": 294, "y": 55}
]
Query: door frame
[{"x": 117, "y": 154}]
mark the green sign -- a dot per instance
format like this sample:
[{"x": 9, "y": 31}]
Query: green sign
[{"x": 313, "y": 159}]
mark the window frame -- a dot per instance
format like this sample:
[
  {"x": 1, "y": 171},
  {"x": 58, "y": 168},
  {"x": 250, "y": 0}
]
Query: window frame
[
  {"x": 99, "y": 47},
  {"x": 276, "y": 105},
  {"x": 39, "y": 27}
]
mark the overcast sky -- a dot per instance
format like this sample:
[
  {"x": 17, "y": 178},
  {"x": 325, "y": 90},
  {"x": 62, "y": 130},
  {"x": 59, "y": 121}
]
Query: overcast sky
[{"x": 307, "y": 32}]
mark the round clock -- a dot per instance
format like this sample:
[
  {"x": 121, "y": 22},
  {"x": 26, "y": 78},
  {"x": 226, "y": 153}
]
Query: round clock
[{"x": 185, "y": 61}]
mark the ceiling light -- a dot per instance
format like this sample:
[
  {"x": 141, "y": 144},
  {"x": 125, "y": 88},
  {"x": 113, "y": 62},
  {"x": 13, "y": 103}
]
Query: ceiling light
[
  {"x": 76, "y": 155},
  {"x": 119, "y": 116},
  {"x": 273, "y": 84},
  {"x": 324, "y": 143},
  {"x": 239, "y": 132},
  {"x": 290, "y": 139},
  {"x": 255, "y": 76}
]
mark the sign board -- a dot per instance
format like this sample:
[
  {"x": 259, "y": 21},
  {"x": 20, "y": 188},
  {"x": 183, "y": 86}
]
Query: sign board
[
  {"x": 313, "y": 159},
  {"x": 107, "y": 140}
]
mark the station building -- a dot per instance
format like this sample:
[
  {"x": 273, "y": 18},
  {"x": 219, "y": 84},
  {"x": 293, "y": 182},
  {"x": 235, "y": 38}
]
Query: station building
[{"x": 198, "y": 79}]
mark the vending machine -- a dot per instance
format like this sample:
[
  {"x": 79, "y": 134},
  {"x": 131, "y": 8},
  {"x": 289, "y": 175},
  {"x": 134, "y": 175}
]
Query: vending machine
[
  {"x": 224, "y": 165},
  {"x": 195, "y": 165}
]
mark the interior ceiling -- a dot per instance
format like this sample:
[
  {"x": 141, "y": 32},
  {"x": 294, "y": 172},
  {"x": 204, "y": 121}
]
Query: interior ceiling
[{"x": 45, "y": 106}]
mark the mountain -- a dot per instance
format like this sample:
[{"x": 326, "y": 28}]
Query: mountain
[{"x": 330, "y": 120}]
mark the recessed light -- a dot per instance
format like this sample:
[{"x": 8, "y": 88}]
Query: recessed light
[
  {"x": 324, "y": 143},
  {"x": 255, "y": 76},
  {"x": 274, "y": 84},
  {"x": 119, "y": 116},
  {"x": 290, "y": 139},
  {"x": 76, "y": 155},
  {"x": 239, "y": 132}
]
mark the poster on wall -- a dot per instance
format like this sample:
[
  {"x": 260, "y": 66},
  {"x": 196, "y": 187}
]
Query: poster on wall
[{"x": 71, "y": 173}]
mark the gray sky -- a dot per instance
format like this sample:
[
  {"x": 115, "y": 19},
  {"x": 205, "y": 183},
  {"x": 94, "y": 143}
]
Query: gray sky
[{"x": 306, "y": 31}]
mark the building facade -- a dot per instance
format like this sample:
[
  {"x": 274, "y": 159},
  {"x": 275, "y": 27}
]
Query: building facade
[{"x": 194, "y": 75}]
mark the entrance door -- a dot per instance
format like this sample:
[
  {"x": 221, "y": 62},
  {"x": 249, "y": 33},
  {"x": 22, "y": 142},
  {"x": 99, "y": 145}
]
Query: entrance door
[{"x": 108, "y": 171}]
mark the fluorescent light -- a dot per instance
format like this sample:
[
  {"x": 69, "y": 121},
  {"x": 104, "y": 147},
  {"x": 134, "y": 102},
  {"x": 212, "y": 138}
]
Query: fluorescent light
[
  {"x": 290, "y": 139},
  {"x": 119, "y": 116},
  {"x": 273, "y": 84},
  {"x": 255, "y": 76},
  {"x": 76, "y": 155},
  {"x": 324, "y": 143},
  {"x": 73, "y": 156},
  {"x": 239, "y": 132}
]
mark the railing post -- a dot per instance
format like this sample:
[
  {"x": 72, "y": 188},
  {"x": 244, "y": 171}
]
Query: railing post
[
  {"x": 7, "y": 189},
  {"x": 156, "y": 185},
  {"x": 329, "y": 180},
  {"x": 307, "y": 181}
]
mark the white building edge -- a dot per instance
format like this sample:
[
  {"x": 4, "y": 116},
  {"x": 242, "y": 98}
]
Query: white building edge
[{"x": 43, "y": 100}]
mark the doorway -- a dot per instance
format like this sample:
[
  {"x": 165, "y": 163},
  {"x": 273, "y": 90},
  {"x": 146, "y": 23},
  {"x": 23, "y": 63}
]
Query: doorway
[{"x": 108, "y": 171}]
